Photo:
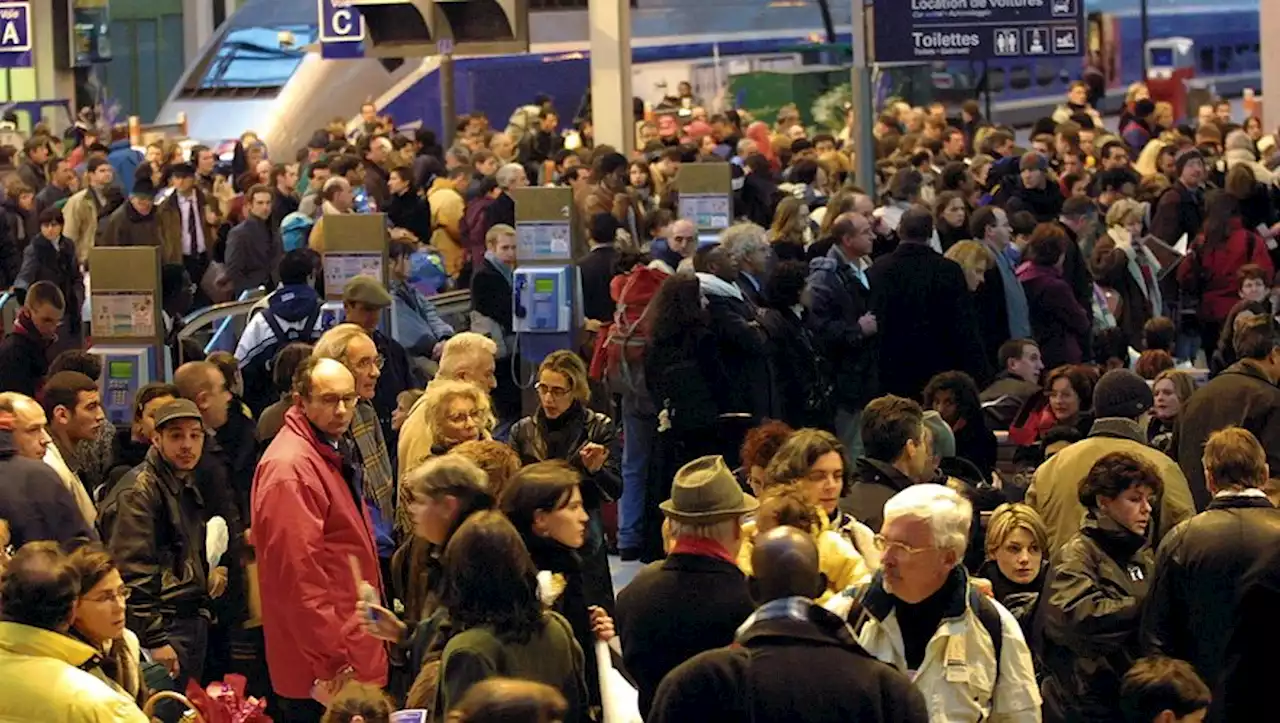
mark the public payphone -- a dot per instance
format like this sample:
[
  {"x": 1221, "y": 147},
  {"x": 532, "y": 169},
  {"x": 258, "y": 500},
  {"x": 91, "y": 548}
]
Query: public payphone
[
  {"x": 705, "y": 192},
  {"x": 126, "y": 321},
  {"x": 547, "y": 290},
  {"x": 355, "y": 244}
]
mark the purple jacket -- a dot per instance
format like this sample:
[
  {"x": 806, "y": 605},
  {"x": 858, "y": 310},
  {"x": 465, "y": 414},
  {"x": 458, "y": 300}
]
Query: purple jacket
[{"x": 1058, "y": 322}]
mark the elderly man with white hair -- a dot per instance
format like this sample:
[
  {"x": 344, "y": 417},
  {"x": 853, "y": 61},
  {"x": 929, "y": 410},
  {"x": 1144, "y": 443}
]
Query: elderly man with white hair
[
  {"x": 503, "y": 209},
  {"x": 923, "y": 615},
  {"x": 748, "y": 248}
]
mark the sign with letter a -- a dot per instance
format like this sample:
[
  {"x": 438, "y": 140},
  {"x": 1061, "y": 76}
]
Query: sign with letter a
[{"x": 15, "y": 34}]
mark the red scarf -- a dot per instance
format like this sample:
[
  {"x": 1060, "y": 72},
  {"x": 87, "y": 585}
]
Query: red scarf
[{"x": 703, "y": 547}]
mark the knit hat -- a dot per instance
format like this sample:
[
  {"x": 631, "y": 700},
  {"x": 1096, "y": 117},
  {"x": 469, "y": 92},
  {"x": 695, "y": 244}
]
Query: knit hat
[
  {"x": 1121, "y": 393},
  {"x": 944, "y": 440},
  {"x": 1186, "y": 157}
]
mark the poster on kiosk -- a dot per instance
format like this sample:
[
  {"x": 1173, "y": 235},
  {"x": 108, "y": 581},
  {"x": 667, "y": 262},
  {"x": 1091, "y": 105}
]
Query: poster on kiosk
[
  {"x": 546, "y": 287},
  {"x": 128, "y": 326}
]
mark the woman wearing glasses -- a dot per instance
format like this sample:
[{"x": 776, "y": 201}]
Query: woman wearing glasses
[
  {"x": 456, "y": 412},
  {"x": 564, "y": 428},
  {"x": 99, "y": 621}
]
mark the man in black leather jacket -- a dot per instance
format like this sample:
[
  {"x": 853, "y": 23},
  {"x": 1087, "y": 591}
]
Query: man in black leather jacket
[
  {"x": 1191, "y": 609},
  {"x": 155, "y": 524}
]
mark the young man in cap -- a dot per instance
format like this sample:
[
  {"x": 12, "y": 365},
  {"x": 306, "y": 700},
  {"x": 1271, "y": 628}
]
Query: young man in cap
[
  {"x": 696, "y": 598},
  {"x": 1120, "y": 399},
  {"x": 134, "y": 223},
  {"x": 363, "y": 301},
  {"x": 1032, "y": 191},
  {"x": 154, "y": 522}
]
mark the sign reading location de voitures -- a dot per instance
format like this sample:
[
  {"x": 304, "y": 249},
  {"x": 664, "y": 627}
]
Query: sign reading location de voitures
[{"x": 941, "y": 30}]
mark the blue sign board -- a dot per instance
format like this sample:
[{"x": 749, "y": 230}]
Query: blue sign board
[
  {"x": 342, "y": 30},
  {"x": 15, "y": 34},
  {"x": 941, "y": 30}
]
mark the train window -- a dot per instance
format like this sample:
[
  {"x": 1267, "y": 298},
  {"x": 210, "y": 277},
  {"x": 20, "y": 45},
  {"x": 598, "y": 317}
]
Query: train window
[
  {"x": 1020, "y": 77},
  {"x": 1207, "y": 64},
  {"x": 995, "y": 80},
  {"x": 255, "y": 57},
  {"x": 1225, "y": 55},
  {"x": 1046, "y": 75}
]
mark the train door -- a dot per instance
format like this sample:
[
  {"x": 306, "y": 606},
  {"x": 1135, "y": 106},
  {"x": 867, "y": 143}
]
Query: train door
[{"x": 1104, "y": 48}]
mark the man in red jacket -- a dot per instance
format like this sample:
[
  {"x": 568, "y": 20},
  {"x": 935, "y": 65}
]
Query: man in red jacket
[{"x": 314, "y": 537}]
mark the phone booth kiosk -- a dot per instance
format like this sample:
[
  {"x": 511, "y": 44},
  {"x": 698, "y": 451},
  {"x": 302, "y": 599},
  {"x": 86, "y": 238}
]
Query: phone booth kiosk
[
  {"x": 128, "y": 326},
  {"x": 1170, "y": 69},
  {"x": 547, "y": 289},
  {"x": 706, "y": 198}
]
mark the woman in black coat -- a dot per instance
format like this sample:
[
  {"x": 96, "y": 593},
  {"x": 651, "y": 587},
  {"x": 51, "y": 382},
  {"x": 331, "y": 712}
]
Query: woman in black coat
[
  {"x": 565, "y": 428},
  {"x": 689, "y": 387},
  {"x": 406, "y": 209},
  {"x": 544, "y": 501},
  {"x": 50, "y": 256},
  {"x": 1092, "y": 602},
  {"x": 954, "y": 396},
  {"x": 1058, "y": 322},
  {"x": 801, "y": 376}
]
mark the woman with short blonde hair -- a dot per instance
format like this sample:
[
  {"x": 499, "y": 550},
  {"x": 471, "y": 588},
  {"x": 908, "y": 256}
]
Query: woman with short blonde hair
[
  {"x": 455, "y": 412},
  {"x": 1017, "y": 549},
  {"x": 974, "y": 258}
]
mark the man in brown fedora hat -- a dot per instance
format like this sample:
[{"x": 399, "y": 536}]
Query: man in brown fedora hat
[{"x": 696, "y": 598}]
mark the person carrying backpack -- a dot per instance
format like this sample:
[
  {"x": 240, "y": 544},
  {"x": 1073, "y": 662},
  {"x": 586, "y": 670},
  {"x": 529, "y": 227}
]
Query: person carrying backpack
[
  {"x": 618, "y": 362},
  {"x": 923, "y": 615},
  {"x": 292, "y": 314}
]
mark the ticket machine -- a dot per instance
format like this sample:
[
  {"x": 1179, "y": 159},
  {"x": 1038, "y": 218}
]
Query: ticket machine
[
  {"x": 127, "y": 324},
  {"x": 706, "y": 198},
  {"x": 1170, "y": 69},
  {"x": 547, "y": 289}
]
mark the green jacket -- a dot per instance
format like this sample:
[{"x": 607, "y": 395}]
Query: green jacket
[{"x": 551, "y": 656}]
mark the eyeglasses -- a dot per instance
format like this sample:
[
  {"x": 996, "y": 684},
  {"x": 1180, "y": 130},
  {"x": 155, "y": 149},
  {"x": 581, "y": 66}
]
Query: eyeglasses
[
  {"x": 464, "y": 417},
  {"x": 376, "y": 363},
  {"x": 546, "y": 390},
  {"x": 122, "y": 594},
  {"x": 333, "y": 400},
  {"x": 884, "y": 544}
]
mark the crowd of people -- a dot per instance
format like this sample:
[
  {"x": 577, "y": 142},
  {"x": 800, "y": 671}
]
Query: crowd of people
[{"x": 992, "y": 445}]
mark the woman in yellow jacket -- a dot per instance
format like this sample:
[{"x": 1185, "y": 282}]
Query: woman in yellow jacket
[{"x": 99, "y": 622}]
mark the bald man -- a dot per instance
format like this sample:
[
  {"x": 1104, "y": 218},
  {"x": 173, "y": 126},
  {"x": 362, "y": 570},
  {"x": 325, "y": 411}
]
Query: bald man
[
  {"x": 772, "y": 673},
  {"x": 312, "y": 533}
]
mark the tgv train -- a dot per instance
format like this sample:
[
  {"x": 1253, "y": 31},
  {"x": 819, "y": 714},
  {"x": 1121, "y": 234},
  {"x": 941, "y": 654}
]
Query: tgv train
[{"x": 260, "y": 71}]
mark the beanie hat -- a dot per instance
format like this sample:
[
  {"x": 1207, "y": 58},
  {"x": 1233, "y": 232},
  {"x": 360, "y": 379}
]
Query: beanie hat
[
  {"x": 1144, "y": 108},
  {"x": 944, "y": 440},
  {"x": 1186, "y": 157},
  {"x": 1121, "y": 393}
]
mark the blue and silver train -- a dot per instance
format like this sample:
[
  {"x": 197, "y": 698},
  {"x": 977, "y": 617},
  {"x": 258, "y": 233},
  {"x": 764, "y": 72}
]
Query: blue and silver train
[{"x": 261, "y": 70}]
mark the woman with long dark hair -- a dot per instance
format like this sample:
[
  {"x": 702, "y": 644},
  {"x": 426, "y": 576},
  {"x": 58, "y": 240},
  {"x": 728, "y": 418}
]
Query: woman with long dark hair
[
  {"x": 954, "y": 396},
  {"x": 689, "y": 388},
  {"x": 491, "y": 593},
  {"x": 544, "y": 502},
  {"x": 951, "y": 218},
  {"x": 1209, "y": 269},
  {"x": 802, "y": 375}
]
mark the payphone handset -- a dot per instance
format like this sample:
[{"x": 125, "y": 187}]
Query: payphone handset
[
  {"x": 125, "y": 370},
  {"x": 543, "y": 300}
]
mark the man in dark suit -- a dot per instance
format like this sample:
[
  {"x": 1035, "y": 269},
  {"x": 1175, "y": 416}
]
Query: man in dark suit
[
  {"x": 925, "y": 312},
  {"x": 597, "y": 268},
  {"x": 749, "y": 250},
  {"x": 696, "y": 598}
]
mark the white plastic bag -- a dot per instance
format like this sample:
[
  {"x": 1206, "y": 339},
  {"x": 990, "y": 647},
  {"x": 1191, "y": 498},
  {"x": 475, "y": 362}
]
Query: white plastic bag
[
  {"x": 216, "y": 539},
  {"x": 621, "y": 702}
]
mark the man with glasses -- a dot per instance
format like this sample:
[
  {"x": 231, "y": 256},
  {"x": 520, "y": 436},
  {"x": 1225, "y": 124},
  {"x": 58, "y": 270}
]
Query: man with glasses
[
  {"x": 364, "y": 299},
  {"x": 154, "y": 522},
  {"x": 923, "y": 615},
  {"x": 317, "y": 556},
  {"x": 350, "y": 345}
]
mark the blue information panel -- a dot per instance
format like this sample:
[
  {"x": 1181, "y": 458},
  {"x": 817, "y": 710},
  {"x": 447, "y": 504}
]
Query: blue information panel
[
  {"x": 929, "y": 30},
  {"x": 15, "y": 34},
  {"x": 342, "y": 30}
]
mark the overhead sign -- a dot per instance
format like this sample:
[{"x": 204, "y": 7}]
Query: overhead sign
[
  {"x": 342, "y": 30},
  {"x": 932, "y": 30},
  {"x": 15, "y": 34}
]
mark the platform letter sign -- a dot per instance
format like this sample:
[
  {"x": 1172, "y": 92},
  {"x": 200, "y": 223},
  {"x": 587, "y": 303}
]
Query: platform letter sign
[
  {"x": 15, "y": 34},
  {"x": 941, "y": 30},
  {"x": 342, "y": 30}
]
